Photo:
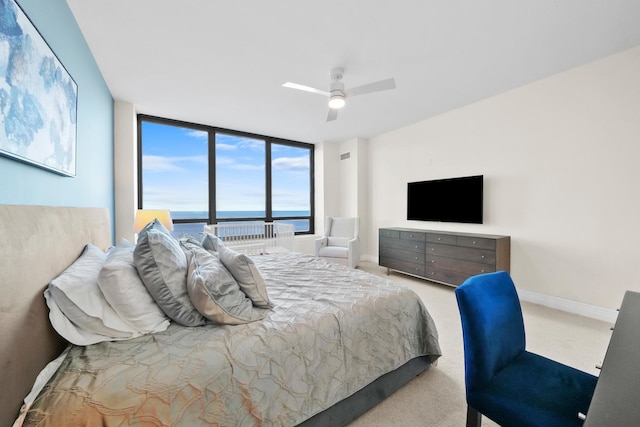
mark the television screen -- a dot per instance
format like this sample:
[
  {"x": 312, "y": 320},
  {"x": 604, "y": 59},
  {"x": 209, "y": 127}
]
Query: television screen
[{"x": 446, "y": 200}]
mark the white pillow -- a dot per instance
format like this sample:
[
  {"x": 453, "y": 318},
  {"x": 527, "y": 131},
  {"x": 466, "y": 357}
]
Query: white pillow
[
  {"x": 244, "y": 270},
  {"x": 123, "y": 289},
  {"x": 77, "y": 294},
  {"x": 66, "y": 328}
]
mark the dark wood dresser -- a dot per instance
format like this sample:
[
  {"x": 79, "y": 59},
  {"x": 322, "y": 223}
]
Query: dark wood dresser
[{"x": 442, "y": 256}]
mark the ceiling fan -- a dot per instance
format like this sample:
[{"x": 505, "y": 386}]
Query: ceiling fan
[{"x": 338, "y": 95}]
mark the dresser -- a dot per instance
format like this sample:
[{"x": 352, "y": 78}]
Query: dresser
[{"x": 442, "y": 256}]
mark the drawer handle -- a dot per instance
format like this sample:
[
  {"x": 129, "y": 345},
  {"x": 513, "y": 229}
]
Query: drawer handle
[
  {"x": 439, "y": 238},
  {"x": 482, "y": 271},
  {"x": 482, "y": 257},
  {"x": 410, "y": 235},
  {"x": 416, "y": 258},
  {"x": 474, "y": 242},
  {"x": 416, "y": 246},
  {"x": 433, "y": 261},
  {"x": 433, "y": 249}
]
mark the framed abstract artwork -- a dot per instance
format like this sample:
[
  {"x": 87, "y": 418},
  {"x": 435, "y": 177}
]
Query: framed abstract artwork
[{"x": 38, "y": 97}]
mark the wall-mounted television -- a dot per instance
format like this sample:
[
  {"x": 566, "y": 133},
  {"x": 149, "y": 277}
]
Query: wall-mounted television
[{"x": 446, "y": 200}]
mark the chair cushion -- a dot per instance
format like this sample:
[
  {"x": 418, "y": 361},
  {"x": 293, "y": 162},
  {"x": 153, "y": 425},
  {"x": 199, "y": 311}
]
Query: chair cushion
[
  {"x": 342, "y": 227},
  {"x": 492, "y": 325},
  {"x": 338, "y": 241},
  {"x": 535, "y": 391},
  {"x": 333, "y": 252}
]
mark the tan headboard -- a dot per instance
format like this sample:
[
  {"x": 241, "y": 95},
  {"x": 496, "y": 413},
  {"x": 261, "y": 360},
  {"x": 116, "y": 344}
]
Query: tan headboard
[{"x": 38, "y": 243}]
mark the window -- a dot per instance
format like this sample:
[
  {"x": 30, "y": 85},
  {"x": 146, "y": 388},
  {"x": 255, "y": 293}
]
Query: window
[{"x": 210, "y": 175}]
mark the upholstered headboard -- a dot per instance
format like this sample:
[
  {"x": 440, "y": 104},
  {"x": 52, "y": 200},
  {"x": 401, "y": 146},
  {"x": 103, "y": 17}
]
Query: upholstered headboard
[{"x": 38, "y": 243}]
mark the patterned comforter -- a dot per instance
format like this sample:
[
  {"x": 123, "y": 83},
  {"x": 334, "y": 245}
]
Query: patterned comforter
[{"x": 332, "y": 331}]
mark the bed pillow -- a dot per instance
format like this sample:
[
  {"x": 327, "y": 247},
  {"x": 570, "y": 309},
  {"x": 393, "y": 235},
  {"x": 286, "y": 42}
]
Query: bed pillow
[
  {"x": 211, "y": 242},
  {"x": 77, "y": 294},
  {"x": 123, "y": 289},
  {"x": 215, "y": 293},
  {"x": 154, "y": 225},
  {"x": 243, "y": 269},
  {"x": 66, "y": 329},
  {"x": 162, "y": 266}
]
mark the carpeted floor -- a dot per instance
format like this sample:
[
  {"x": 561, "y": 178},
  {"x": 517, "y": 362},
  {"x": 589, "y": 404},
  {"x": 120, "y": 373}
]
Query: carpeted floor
[{"x": 436, "y": 398}]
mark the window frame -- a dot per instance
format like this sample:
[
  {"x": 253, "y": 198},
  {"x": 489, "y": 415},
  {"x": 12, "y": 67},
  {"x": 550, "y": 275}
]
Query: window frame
[{"x": 212, "y": 131}]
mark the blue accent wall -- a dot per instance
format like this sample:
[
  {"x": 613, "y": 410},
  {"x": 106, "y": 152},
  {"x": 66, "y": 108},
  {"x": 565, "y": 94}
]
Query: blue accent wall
[{"x": 93, "y": 184}]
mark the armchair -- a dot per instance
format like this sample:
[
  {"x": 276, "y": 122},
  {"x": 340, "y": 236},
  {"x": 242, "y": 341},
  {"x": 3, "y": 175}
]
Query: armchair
[
  {"x": 503, "y": 381},
  {"x": 340, "y": 242}
]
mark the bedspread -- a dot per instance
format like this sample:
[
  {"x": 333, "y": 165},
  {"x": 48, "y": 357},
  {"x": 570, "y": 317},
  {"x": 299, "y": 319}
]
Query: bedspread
[{"x": 332, "y": 331}]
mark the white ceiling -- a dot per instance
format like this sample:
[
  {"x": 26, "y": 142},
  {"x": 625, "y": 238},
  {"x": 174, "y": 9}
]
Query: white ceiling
[{"x": 223, "y": 63}]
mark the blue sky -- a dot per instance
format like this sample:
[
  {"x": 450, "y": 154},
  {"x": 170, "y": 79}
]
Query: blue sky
[{"x": 175, "y": 172}]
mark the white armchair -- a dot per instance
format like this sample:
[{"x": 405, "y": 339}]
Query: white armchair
[{"x": 340, "y": 242}]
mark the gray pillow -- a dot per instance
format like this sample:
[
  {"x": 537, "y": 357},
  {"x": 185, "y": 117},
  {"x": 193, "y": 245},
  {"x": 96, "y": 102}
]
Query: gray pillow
[
  {"x": 243, "y": 269},
  {"x": 162, "y": 266},
  {"x": 215, "y": 293},
  {"x": 211, "y": 242},
  {"x": 154, "y": 225}
]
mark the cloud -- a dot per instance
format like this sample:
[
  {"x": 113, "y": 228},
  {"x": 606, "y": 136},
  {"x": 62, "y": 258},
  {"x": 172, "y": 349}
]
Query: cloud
[
  {"x": 231, "y": 163},
  {"x": 153, "y": 163},
  {"x": 199, "y": 134},
  {"x": 225, "y": 147},
  {"x": 291, "y": 163}
]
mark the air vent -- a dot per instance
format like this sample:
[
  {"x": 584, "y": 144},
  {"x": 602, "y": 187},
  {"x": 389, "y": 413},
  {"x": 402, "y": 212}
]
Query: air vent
[{"x": 345, "y": 156}]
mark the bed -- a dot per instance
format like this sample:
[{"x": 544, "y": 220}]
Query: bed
[{"x": 316, "y": 357}]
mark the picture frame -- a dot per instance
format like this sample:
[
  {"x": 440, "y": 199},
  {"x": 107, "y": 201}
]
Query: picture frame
[{"x": 38, "y": 97}]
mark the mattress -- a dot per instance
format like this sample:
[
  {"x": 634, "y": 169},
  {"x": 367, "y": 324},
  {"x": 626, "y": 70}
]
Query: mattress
[{"x": 332, "y": 331}]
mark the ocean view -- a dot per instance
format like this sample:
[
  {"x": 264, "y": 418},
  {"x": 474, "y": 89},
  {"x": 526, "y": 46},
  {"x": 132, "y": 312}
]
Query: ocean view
[{"x": 194, "y": 229}]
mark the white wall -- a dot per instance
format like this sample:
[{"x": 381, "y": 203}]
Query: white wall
[{"x": 560, "y": 159}]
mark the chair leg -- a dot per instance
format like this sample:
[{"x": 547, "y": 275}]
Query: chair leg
[{"x": 474, "y": 418}]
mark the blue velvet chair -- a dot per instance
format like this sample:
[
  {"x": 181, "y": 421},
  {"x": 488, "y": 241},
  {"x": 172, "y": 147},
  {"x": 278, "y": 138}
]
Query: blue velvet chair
[{"x": 503, "y": 381}]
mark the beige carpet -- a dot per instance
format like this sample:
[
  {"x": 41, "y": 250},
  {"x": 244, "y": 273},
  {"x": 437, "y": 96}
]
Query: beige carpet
[{"x": 436, "y": 398}]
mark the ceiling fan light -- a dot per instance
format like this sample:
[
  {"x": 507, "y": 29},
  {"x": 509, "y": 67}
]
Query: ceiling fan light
[{"x": 336, "y": 101}]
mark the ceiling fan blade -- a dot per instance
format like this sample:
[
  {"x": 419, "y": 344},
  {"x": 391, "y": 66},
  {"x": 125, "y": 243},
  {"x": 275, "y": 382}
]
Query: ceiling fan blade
[
  {"x": 372, "y": 87},
  {"x": 333, "y": 114},
  {"x": 305, "y": 88}
]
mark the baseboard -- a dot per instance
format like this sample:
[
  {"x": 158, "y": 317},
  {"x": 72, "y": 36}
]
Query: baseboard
[
  {"x": 575, "y": 307},
  {"x": 587, "y": 310}
]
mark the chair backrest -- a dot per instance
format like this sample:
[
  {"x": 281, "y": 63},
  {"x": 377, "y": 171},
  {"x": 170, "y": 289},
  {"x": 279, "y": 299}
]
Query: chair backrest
[
  {"x": 492, "y": 325},
  {"x": 341, "y": 230}
]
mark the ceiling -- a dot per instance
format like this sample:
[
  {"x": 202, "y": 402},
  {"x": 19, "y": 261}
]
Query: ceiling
[{"x": 223, "y": 63}]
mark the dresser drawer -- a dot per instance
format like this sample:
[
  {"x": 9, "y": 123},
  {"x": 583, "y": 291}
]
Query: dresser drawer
[
  {"x": 394, "y": 234},
  {"x": 445, "y": 276},
  {"x": 445, "y": 239},
  {"x": 462, "y": 253},
  {"x": 409, "y": 256},
  {"x": 402, "y": 244},
  {"x": 459, "y": 266},
  {"x": 412, "y": 235},
  {"x": 476, "y": 242},
  {"x": 404, "y": 266}
]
